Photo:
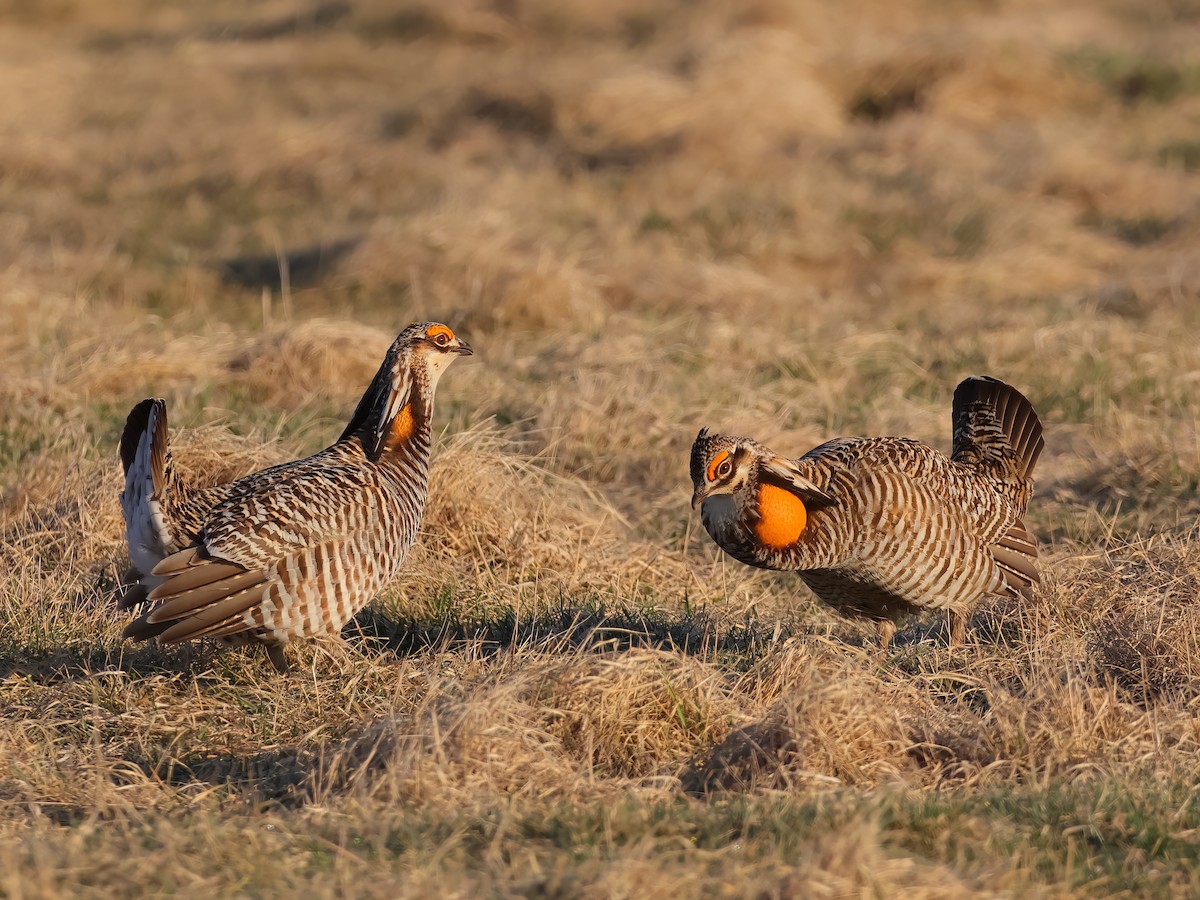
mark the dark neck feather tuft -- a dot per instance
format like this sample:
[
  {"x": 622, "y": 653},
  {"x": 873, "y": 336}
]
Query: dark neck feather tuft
[
  {"x": 390, "y": 402},
  {"x": 374, "y": 401}
]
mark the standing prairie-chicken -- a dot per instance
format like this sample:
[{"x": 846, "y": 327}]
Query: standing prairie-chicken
[
  {"x": 294, "y": 550},
  {"x": 878, "y": 527}
]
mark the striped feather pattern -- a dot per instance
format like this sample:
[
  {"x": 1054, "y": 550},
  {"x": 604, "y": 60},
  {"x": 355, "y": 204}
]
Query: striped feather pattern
[
  {"x": 892, "y": 526},
  {"x": 297, "y": 549}
]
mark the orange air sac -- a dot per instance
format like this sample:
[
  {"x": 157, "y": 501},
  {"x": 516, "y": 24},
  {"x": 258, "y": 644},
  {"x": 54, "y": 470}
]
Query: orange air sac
[
  {"x": 402, "y": 427},
  {"x": 781, "y": 517}
]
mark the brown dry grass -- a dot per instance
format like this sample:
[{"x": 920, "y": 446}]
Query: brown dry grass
[{"x": 788, "y": 219}]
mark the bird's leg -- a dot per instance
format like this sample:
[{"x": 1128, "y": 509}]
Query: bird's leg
[
  {"x": 276, "y": 655},
  {"x": 886, "y": 628},
  {"x": 958, "y": 625}
]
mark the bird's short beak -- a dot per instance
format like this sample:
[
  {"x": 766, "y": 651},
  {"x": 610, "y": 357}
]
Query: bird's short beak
[
  {"x": 463, "y": 348},
  {"x": 698, "y": 496}
]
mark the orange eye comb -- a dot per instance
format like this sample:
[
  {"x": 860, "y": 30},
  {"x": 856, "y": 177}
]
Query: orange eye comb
[
  {"x": 715, "y": 464},
  {"x": 435, "y": 330}
]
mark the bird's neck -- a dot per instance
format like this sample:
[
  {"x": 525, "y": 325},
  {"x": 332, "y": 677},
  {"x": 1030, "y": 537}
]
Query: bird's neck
[{"x": 408, "y": 435}]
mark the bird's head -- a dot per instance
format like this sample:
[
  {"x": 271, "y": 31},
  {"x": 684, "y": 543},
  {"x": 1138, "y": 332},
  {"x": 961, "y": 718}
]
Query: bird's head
[
  {"x": 721, "y": 465},
  {"x": 400, "y": 397},
  {"x": 431, "y": 346}
]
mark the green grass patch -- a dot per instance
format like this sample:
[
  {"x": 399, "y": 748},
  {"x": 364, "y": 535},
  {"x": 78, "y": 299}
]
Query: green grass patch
[
  {"x": 1136, "y": 78},
  {"x": 1183, "y": 154}
]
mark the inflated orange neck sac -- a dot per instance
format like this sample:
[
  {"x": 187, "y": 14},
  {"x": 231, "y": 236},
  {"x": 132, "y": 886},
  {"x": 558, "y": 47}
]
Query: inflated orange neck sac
[
  {"x": 782, "y": 517},
  {"x": 402, "y": 428}
]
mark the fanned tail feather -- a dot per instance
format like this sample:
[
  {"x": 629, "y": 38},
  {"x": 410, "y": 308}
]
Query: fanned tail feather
[
  {"x": 992, "y": 422},
  {"x": 989, "y": 414},
  {"x": 145, "y": 458}
]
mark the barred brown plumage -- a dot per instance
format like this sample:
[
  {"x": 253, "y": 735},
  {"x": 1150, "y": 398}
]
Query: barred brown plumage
[
  {"x": 294, "y": 550},
  {"x": 878, "y": 527}
]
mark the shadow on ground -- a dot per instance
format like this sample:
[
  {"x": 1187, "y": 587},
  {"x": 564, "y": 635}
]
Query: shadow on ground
[
  {"x": 564, "y": 629},
  {"x": 60, "y": 664},
  {"x": 574, "y": 628}
]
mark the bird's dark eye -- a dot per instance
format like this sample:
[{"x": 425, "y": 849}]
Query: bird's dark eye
[
  {"x": 724, "y": 469},
  {"x": 441, "y": 339}
]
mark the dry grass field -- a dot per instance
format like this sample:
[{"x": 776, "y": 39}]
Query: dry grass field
[{"x": 793, "y": 220}]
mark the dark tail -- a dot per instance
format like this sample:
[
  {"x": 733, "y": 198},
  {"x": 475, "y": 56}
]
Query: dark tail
[
  {"x": 146, "y": 459},
  {"x": 136, "y": 424},
  {"x": 991, "y": 421},
  {"x": 990, "y": 416}
]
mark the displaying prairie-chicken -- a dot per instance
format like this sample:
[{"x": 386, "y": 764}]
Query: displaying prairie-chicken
[
  {"x": 879, "y": 527},
  {"x": 294, "y": 550}
]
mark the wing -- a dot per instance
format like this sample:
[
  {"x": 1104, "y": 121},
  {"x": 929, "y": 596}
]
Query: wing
[
  {"x": 274, "y": 536},
  {"x": 188, "y": 508},
  {"x": 199, "y": 596},
  {"x": 1016, "y": 554}
]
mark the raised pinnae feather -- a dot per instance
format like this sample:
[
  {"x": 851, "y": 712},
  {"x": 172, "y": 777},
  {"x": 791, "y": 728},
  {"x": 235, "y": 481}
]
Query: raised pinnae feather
[
  {"x": 389, "y": 391},
  {"x": 789, "y": 475}
]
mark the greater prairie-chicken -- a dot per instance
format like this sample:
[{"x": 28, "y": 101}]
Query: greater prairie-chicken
[
  {"x": 294, "y": 550},
  {"x": 879, "y": 527}
]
